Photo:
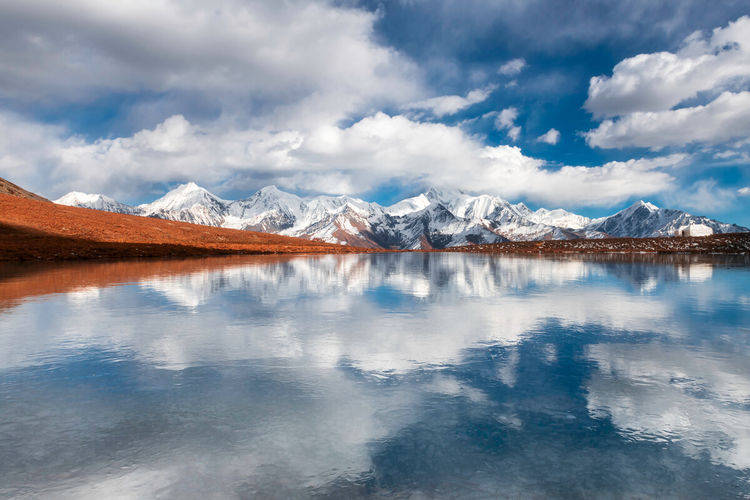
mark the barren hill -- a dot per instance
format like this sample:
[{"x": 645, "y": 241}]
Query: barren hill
[{"x": 7, "y": 187}]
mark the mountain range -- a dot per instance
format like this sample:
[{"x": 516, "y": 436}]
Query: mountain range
[{"x": 434, "y": 219}]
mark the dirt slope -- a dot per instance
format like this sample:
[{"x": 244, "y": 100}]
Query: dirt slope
[
  {"x": 7, "y": 187},
  {"x": 36, "y": 230}
]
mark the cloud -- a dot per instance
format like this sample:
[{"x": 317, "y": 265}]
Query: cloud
[
  {"x": 662, "y": 80},
  {"x": 656, "y": 393},
  {"x": 375, "y": 150},
  {"x": 725, "y": 118},
  {"x": 268, "y": 62},
  {"x": 644, "y": 99},
  {"x": 744, "y": 191},
  {"x": 552, "y": 136},
  {"x": 703, "y": 195},
  {"x": 506, "y": 121},
  {"x": 452, "y": 104},
  {"x": 512, "y": 67}
]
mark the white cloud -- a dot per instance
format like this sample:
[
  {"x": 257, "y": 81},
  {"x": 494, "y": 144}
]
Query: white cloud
[
  {"x": 506, "y": 121},
  {"x": 272, "y": 62},
  {"x": 512, "y": 67},
  {"x": 704, "y": 196},
  {"x": 725, "y": 118},
  {"x": 744, "y": 191},
  {"x": 354, "y": 159},
  {"x": 662, "y": 80},
  {"x": 642, "y": 98},
  {"x": 514, "y": 133},
  {"x": 452, "y": 104},
  {"x": 552, "y": 136}
]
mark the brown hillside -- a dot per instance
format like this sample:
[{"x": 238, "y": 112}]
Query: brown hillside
[
  {"x": 35, "y": 230},
  {"x": 7, "y": 187}
]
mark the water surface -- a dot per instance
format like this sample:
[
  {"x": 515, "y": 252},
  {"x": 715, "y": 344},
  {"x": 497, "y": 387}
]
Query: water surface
[{"x": 405, "y": 375}]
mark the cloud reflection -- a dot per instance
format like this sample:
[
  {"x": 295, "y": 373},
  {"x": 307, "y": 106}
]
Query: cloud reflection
[{"x": 299, "y": 376}]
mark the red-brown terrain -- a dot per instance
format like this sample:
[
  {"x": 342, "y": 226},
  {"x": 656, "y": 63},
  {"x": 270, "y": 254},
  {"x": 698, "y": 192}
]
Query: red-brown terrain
[
  {"x": 40, "y": 230},
  {"x": 732, "y": 243}
]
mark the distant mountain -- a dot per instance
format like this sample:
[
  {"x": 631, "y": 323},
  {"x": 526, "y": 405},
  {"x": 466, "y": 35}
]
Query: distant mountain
[
  {"x": 559, "y": 218},
  {"x": 96, "y": 202},
  {"x": 434, "y": 219},
  {"x": 642, "y": 220}
]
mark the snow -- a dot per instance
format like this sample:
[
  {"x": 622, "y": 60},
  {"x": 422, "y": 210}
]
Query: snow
[
  {"x": 408, "y": 206},
  {"x": 182, "y": 197},
  {"x": 559, "y": 218},
  {"x": 94, "y": 201}
]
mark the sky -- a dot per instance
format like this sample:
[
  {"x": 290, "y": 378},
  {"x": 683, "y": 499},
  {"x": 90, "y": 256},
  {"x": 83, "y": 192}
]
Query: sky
[{"x": 584, "y": 105}]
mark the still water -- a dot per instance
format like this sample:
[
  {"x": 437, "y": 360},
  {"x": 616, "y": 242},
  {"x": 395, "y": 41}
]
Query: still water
[{"x": 404, "y": 375}]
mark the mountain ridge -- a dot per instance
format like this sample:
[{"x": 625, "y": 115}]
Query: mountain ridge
[{"x": 431, "y": 220}]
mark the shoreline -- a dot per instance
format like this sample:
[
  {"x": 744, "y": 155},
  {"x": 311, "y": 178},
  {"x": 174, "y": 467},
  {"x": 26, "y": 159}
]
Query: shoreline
[
  {"x": 717, "y": 244},
  {"x": 52, "y": 248}
]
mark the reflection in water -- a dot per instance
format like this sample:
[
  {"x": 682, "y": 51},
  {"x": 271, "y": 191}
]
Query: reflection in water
[{"x": 392, "y": 374}]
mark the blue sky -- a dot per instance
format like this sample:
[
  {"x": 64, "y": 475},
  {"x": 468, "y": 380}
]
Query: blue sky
[{"x": 382, "y": 99}]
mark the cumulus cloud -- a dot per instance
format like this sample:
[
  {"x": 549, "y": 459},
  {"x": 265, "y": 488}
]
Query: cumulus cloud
[
  {"x": 452, "y": 104},
  {"x": 512, "y": 67},
  {"x": 506, "y": 121},
  {"x": 329, "y": 159},
  {"x": 660, "y": 81},
  {"x": 552, "y": 136},
  {"x": 744, "y": 191},
  {"x": 723, "y": 119},
  {"x": 644, "y": 98}
]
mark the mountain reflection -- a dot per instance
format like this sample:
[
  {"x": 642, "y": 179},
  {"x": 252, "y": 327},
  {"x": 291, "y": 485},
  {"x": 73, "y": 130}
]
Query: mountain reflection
[{"x": 377, "y": 374}]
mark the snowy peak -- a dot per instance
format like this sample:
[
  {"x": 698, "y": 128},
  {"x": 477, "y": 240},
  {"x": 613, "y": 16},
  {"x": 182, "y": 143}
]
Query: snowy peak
[
  {"x": 183, "y": 197},
  {"x": 79, "y": 198},
  {"x": 409, "y": 205},
  {"x": 640, "y": 205},
  {"x": 270, "y": 198},
  {"x": 643, "y": 220},
  {"x": 94, "y": 201},
  {"x": 559, "y": 218}
]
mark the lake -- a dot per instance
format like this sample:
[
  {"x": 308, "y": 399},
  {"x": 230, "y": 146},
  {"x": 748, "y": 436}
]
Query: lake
[{"x": 405, "y": 375}]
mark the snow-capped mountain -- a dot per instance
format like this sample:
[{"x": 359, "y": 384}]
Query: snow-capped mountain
[
  {"x": 96, "y": 202},
  {"x": 559, "y": 218},
  {"x": 269, "y": 210},
  {"x": 643, "y": 219},
  {"x": 434, "y": 219},
  {"x": 188, "y": 203}
]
